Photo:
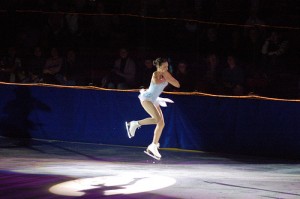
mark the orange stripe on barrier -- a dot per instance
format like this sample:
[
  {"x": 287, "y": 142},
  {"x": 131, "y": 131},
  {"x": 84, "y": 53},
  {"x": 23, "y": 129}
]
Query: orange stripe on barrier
[{"x": 254, "y": 97}]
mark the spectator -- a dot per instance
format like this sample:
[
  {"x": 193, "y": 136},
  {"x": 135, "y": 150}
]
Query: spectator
[
  {"x": 146, "y": 73},
  {"x": 184, "y": 77},
  {"x": 11, "y": 66},
  {"x": 233, "y": 78},
  {"x": 52, "y": 67},
  {"x": 35, "y": 65},
  {"x": 71, "y": 69},
  {"x": 210, "y": 80},
  {"x": 122, "y": 76}
]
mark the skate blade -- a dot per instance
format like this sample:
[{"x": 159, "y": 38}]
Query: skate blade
[
  {"x": 127, "y": 128},
  {"x": 153, "y": 156}
]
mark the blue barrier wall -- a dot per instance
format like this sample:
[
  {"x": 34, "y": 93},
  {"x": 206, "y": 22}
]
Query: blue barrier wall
[{"x": 215, "y": 124}]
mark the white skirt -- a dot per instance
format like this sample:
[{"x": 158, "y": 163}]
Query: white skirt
[{"x": 159, "y": 101}]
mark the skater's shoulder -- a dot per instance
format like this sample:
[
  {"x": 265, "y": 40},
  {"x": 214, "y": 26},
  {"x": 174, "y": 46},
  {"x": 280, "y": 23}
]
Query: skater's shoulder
[{"x": 158, "y": 78}]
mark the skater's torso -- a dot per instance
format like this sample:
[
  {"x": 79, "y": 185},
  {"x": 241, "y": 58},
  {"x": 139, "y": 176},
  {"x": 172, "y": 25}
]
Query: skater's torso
[{"x": 153, "y": 92}]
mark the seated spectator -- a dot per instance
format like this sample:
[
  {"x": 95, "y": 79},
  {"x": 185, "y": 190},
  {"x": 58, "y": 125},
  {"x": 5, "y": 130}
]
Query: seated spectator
[
  {"x": 232, "y": 78},
  {"x": 122, "y": 76},
  {"x": 71, "y": 69},
  {"x": 210, "y": 80},
  {"x": 52, "y": 68},
  {"x": 184, "y": 77},
  {"x": 35, "y": 66},
  {"x": 11, "y": 67},
  {"x": 146, "y": 73}
]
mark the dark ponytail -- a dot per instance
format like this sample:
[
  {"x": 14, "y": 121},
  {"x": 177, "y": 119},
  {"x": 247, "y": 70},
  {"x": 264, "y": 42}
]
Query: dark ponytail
[{"x": 159, "y": 61}]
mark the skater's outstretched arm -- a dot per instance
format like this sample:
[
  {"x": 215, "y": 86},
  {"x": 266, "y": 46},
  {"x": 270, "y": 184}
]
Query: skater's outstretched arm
[{"x": 169, "y": 78}]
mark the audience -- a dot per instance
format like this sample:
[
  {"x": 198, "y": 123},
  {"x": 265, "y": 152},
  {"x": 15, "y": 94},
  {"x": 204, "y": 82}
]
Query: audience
[
  {"x": 35, "y": 65},
  {"x": 146, "y": 72},
  {"x": 71, "y": 69},
  {"x": 122, "y": 75},
  {"x": 52, "y": 68},
  {"x": 184, "y": 76},
  {"x": 209, "y": 80},
  {"x": 86, "y": 27},
  {"x": 233, "y": 78},
  {"x": 11, "y": 66}
]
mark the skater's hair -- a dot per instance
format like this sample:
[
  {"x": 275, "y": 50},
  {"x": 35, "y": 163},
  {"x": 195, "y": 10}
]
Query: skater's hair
[{"x": 157, "y": 62}]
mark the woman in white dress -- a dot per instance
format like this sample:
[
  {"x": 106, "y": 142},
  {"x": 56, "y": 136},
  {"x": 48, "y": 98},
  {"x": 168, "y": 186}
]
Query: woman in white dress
[{"x": 151, "y": 102}]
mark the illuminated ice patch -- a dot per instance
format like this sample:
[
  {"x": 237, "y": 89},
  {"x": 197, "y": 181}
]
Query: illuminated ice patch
[{"x": 113, "y": 185}]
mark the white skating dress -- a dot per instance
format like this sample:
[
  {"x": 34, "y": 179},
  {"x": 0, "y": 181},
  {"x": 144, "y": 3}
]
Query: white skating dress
[{"x": 152, "y": 94}]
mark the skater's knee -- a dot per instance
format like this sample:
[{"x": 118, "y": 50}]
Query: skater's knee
[
  {"x": 161, "y": 123},
  {"x": 155, "y": 120},
  {"x": 158, "y": 120}
]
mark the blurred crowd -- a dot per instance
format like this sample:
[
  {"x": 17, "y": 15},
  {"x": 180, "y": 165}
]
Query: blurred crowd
[{"x": 227, "y": 47}]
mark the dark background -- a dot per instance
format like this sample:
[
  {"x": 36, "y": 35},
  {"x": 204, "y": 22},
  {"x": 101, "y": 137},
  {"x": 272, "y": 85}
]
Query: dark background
[{"x": 176, "y": 29}]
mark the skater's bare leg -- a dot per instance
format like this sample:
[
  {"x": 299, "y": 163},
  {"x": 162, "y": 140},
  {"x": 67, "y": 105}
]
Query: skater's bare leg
[
  {"x": 156, "y": 118},
  {"x": 152, "y": 111},
  {"x": 159, "y": 127}
]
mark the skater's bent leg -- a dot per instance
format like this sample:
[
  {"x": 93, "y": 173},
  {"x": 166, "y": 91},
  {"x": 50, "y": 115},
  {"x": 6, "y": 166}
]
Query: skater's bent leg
[
  {"x": 152, "y": 111},
  {"x": 159, "y": 127}
]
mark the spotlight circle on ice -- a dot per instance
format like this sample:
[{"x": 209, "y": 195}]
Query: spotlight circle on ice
[{"x": 113, "y": 185}]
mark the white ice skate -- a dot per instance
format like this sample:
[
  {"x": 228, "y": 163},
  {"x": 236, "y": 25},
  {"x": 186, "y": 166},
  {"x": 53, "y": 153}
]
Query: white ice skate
[
  {"x": 131, "y": 128},
  {"x": 153, "y": 152}
]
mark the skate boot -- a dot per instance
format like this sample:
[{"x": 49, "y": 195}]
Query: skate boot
[
  {"x": 158, "y": 145},
  {"x": 131, "y": 128},
  {"x": 152, "y": 151}
]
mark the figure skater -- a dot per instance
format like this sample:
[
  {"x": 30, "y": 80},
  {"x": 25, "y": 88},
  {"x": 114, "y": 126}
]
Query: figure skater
[{"x": 151, "y": 102}]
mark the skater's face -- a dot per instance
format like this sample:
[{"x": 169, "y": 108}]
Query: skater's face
[{"x": 163, "y": 67}]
